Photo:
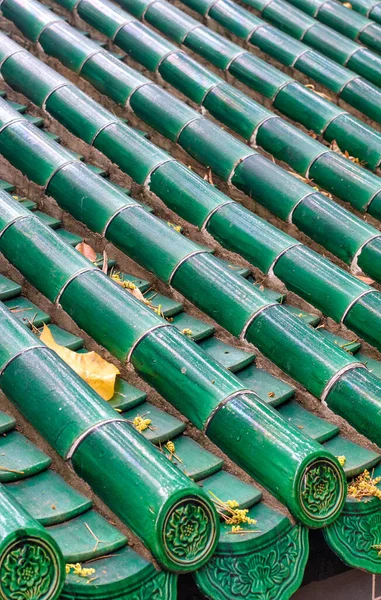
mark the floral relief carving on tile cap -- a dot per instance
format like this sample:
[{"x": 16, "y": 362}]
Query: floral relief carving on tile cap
[
  {"x": 188, "y": 531},
  {"x": 320, "y": 490},
  {"x": 28, "y": 572}
]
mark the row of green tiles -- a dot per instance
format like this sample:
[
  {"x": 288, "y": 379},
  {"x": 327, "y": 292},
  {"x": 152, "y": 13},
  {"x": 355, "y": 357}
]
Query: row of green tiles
[
  {"x": 179, "y": 123},
  {"x": 369, "y": 8},
  {"x": 68, "y": 517},
  {"x": 204, "y": 468},
  {"x": 289, "y": 97},
  {"x": 240, "y": 299},
  {"x": 203, "y": 140},
  {"x": 324, "y": 39},
  {"x": 166, "y": 428},
  {"x": 39, "y": 122},
  {"x": 168, "y": 309},
  {"x": 73, "y": 526},
  {"x": 294, "y": 22},
  {"x": 270, "y": 250},
  {"x": 268, "y": 388},
  {"x": 342, "y": 19},
  {"x": 349, "y": 86},
  {"x": 105, "y": 449},
  {"x": 183, "y": 373},
  {"x": 265, "y": 385}
]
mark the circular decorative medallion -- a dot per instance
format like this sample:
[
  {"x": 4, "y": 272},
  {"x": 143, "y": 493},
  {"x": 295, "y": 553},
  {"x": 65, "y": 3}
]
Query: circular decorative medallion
[
  {"x": 29, "y": 570},
  {"x": 189, "y": 531},
  {"x": 321, "y": 489}
]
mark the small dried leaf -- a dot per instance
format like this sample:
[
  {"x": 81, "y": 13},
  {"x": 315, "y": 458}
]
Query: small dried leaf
[
  {"x": 105, "y": 262},
  {"x": 134, "y": 291},
  {"x": 87, "y": 251},
  {"x": 325, "y": 96},
  {"x": 209, "y": 177},
  {"x": 317, "y": 189},
  {"x": 97, "y": 372},
  {"x": 334, "y": 146},
  {"x": 137, "y": 293},
  {"x": 300, "y": 177},
  {"x": 364, "y": 279}
]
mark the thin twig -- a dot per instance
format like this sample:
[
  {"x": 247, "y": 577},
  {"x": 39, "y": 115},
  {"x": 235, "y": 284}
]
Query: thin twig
[{"x": 98, "y": 541}]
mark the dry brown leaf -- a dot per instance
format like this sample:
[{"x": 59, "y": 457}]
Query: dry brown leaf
[
  {"x": 97, "y": 372},
  {"x": 367, "y": 280},
  {"x": 105, "y": 262},
  {"x": 300, "y": 177},
  {"x": 209, "y": 177},
  {"x": 87, "y": 251},
  {"x": 317, "y": 189},
  {"x": 132, "y": 289},
  {"x": 334, "y": 146},
  {"x": 325, "y": 96},
  {"x": 129, "y": 286},
  {"x": 137, "y": 293}
]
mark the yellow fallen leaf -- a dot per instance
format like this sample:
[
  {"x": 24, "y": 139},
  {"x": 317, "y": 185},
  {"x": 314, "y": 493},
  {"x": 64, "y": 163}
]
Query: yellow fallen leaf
[
  {"x": 97, "y": 372},
  {"x": 87, "y": 251}
]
